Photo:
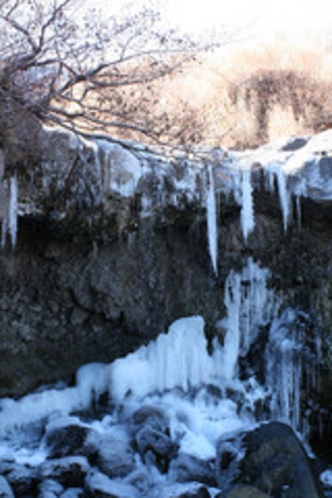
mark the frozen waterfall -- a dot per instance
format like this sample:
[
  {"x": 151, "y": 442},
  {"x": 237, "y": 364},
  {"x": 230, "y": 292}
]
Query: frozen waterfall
[{"x": 180, "y": 360}]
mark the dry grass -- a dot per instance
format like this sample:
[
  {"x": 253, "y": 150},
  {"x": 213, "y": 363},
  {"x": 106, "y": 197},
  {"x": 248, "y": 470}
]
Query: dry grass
[
  {"x": 242, "y": 98},
  {"x": 238, "y": 98}
]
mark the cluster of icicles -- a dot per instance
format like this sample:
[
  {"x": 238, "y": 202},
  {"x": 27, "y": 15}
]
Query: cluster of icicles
[
  {"x": 242, "y": 189},
  {"x": 239, "y": 178}
]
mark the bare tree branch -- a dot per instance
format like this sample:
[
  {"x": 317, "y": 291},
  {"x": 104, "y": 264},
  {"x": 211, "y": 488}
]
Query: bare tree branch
[{"x": 79, "y": 74}]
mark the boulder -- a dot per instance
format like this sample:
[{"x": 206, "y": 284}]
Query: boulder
[
  {"x": 111, "y": 453},
  {"x": 23, "y": 479},
  {"x": 269, "y": 458},
  {"x": 66, "y": 441},
  {"x": 49, "y": 488},
  {"x": 187, "y": 468},
  {"x": 155, "y": 447},
  {"x": 68, "y": 471},
  {"x": 98, "y": 485},
  {"x": 152, "y": 437}
]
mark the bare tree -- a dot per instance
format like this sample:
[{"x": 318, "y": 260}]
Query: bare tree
[{"x": 64, "y": 64}]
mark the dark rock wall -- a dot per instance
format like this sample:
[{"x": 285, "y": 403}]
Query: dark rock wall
[
  {"x": 64, "y": 304},
  {"x": 72, "y": 293}
]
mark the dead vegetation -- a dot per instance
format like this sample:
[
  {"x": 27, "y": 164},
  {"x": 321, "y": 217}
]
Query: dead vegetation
[{"x": 242, "y": 98}]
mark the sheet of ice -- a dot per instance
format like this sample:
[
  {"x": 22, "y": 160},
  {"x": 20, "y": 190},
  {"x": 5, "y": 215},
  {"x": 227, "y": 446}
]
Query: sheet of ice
[
  {"x": 212, "y": 222},
  {"x": 32, "y": 408}
]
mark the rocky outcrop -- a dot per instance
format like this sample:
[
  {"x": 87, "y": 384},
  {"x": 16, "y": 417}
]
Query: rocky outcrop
[{"x": 114, "y": 242}]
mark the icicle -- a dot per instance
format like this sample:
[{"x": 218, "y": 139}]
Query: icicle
[
  {"x": 275, "y": 172},
  {"x": 232, "y": 302},
  {"x": 247, "y": 211},
  {"x": 283, "y": 196},
  {"x": 10, "y": 222},
  {"x": 212, "y": 228},
  {"x": 4, "y": 231},
  {"x": 298, "y": 212},
  {"x": 177, "y": 359},
  {"x": 249, "y": 304},
  {"x": 13, "y": 208},
  {"x": 283, "y": 375}
]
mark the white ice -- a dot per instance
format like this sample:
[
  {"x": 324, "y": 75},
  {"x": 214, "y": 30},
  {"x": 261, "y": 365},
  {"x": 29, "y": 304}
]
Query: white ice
[
  {"x": 175, "y": 372},
  {"x": 212, "y": 222},
  {"x": 9, "y": 224},
  {"x": 249, "y": 304},
  {"x": 122, "y": 169},
  {"x": 275, "y": 171},
  {"x": 13, "y": 209},
  {"x": 247, "y": 211}
]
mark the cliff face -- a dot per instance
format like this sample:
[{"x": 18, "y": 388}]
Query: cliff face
[{"x": 113, "y": 244}]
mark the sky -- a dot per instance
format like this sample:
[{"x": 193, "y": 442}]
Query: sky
[
  {"x": 253, "y": 18},
  {"x": 242, "y": 21}
]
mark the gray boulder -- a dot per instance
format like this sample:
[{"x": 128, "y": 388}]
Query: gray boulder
[
  {"x": 99, "y": 485},
  {"x": 271, "y": 459},
  {"x": 66, "y": 441},
  {"x": 49, "y": 488},
  {"x": 68, "y": 471},
  {"x": 152, "y": 437},
  {"x": 111, "y": 453},
  {"x": 186, "y": 468}
]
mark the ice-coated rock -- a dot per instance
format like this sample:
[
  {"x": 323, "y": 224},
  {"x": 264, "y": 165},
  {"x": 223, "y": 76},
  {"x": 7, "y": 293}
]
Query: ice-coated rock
[
  {"x": 66, "y": 441},
  {"x": 111, "y": 453},
  {"x": 102, "y": 486},
  {"x": 68, "y": 471}
]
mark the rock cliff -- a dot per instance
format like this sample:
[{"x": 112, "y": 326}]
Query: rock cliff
[{"x": 104, "y": 245}]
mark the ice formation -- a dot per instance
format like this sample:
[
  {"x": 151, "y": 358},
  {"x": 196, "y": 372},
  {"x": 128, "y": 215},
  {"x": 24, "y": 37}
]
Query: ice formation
[
  {"x": 10, "y": 222},
  {"x": 212, "y": 222},
  {"x": 122, "y": 169},
  {"x": 275, "y": 172},
  {"x": 249, "y": 305},
  {"x": 247, "y": 210},
  {"x": 202, "y": 390},
  {"x": 238, "y": 176}
]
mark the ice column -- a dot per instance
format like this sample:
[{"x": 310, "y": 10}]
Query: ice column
[
  {"x": 211, "y": 214},
  {"x": 10, "y": 221},
  {"x": 283, "y": 372},
  {"x": 178, "y": 359},
  {"x": 275, "y": 172},
  {"x": 247, "y": 211},
  {"x": 249, "y": 304}
]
